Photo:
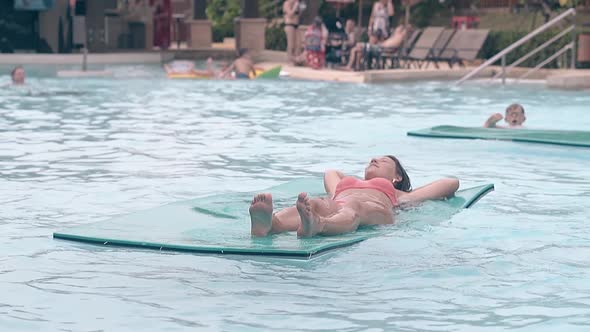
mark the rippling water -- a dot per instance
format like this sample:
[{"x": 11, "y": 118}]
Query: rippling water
[{"x": 79, "y": 151}]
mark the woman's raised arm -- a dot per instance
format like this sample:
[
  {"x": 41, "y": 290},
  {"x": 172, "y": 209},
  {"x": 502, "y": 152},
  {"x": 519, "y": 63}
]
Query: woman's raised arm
[
  {"x": 331, "y": 179},
  {"x": 438, "y": 189}
]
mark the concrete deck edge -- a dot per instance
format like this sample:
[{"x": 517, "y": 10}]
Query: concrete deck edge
[{"x": 93, "y": 58}]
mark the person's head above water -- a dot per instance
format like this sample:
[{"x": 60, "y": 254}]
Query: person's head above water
[
  {"x": 18, "y": 75},
  {"x": 389, "y": 167},
  {"x": 515, "y": 115}
]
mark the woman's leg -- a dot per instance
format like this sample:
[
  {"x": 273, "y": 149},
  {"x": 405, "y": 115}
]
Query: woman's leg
[
  {"x": 343, "y": 219},
  {"x": 290, "y": 33},
  {"x": 264, "y": 221},
  {"x": 352, "y": 57}
]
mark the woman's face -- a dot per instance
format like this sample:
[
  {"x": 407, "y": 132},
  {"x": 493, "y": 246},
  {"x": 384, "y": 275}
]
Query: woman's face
[{"x": 381, "y": 167}]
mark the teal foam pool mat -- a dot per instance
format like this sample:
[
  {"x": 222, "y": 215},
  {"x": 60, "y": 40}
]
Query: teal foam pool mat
[
  {"x": 220, "y": 224},
  {"x": 557, "y": 137}
]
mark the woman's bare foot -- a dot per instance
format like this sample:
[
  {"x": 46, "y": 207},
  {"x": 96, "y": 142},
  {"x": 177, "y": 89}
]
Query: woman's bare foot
[
  {"x": 261, "y": 215},
  {"x": 310, "y": 222}
]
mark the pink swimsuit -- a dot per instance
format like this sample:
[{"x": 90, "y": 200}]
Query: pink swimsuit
[{"x": 380, "y": 184}]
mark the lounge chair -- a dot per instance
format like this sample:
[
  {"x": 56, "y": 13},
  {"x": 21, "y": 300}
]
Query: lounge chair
[
  {"x": 424, "y": 47},
  {"x": 464, "y": 45},
  {"x": 439, "y": 47},
  {"x": 395, "y": 55}
]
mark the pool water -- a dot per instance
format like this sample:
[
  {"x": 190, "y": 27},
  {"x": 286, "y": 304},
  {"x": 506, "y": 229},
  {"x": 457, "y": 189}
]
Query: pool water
[{"x": 75, "y": 152}]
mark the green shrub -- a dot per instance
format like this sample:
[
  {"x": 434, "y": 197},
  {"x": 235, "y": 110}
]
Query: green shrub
[
  {"x": 222, "y": 14},
  {"x": 275, "y": 38},
  {"x": 499, "y": 40}
]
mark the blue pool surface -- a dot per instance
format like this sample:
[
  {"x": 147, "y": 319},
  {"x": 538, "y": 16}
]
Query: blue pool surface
[{"x": 75, "y": 152}]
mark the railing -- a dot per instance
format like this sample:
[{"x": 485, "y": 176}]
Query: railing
[{"x": 502, "y": 55}]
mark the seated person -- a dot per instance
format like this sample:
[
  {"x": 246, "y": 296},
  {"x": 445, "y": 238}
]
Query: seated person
[
  {"x": 242, "y": 66},
  {"x": 396, "y": 40},
  {"x": 341, "y": 42},
  {"x": 514, "y": 117},
  {"x": 314, "y": 52},
  {"x": 315, "y": 44},
  {"x": 350, "y": 30},
  {"x": 356, "y": 53},
  {"x": 335, "y": 45},
  {"x": 375, "y": 47}
]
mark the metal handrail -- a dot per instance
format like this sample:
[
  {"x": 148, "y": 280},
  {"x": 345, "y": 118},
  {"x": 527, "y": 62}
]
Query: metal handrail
[
  {"x": 518, "y": 43},
  {"x": 533, "y": 52},
  {"x": 549, "y": 59}
]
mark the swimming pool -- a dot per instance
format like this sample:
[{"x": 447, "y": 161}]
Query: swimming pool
[{"x": 518, "y": 260}]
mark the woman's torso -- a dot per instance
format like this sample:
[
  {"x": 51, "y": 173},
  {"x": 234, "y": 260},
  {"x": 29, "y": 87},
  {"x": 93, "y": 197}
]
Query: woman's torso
[
  {"x": 376, "y": 190},
  {"x": 381, "y": 19},
  {"x": 293, "y": 18}
]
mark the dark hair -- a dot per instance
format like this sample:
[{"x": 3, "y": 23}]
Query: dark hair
[
  {"x": 242, "y": 51},
  {"x": 14, "y": 70},
  {"x": 404, "y": 184},
  {"x": 317, "y": 21},
  {"x": 378, "y": 33}
]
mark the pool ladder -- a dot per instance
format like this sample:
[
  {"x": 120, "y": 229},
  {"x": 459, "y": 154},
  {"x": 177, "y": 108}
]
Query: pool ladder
[{"x": 502, "y": 54}]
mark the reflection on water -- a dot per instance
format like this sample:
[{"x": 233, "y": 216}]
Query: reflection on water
[{"x": 517, "y": 260}]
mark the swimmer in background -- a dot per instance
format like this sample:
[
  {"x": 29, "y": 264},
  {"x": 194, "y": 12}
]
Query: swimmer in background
[
  {"x": 242, "y": 66},
  {"x": 514, "y": 118},
  {"x": 18, "y": 75}
]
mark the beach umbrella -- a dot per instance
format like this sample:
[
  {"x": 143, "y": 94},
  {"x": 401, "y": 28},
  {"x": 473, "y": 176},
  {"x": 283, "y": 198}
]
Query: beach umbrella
[{"x": 340, "y": 3}]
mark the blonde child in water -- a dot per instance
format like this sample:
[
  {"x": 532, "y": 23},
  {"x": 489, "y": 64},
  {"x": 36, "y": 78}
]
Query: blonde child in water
[{"x": 514, "y": 118}]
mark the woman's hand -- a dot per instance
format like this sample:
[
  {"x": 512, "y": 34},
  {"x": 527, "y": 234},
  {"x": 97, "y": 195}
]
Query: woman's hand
[
  {"x": 438, "y": 189},
  {"x": 331, "y": 179}
]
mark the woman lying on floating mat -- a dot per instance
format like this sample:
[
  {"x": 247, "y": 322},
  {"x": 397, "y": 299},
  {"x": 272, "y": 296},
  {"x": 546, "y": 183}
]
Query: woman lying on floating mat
[
  {"x": 514, "y": 118},
  {"x": 241, "y": 68},
  {"x": 186, "y": 69},
  {"x": 352, "y": 202}
]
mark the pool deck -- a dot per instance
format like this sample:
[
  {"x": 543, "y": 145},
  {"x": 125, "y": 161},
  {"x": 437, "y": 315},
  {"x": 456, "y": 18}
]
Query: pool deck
[
  {"x": 553, "y": 78},
  {"x": 571, "y": 80}
]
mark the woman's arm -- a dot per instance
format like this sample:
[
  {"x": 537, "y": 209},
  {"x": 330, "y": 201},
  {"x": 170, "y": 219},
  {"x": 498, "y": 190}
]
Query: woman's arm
[
  {"x": 289, "y": 10},
  {"x": 390, "y": 8},
  {"x": 331, "y": 179},
  {"x": 229, "y": 69},
  {"x": 438, "y": 189}
]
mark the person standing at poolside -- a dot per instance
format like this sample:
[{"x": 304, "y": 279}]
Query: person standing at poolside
[
  {"x": 379, "y": 20},
  {"x": 291, "y": 18},
  {"x": 514, "y": 118}
]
